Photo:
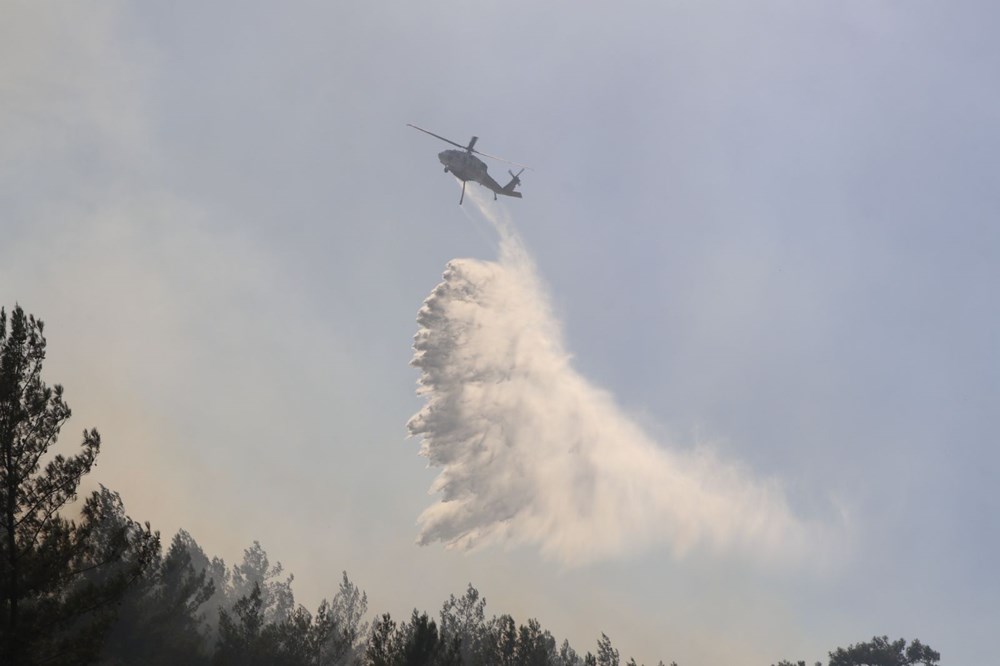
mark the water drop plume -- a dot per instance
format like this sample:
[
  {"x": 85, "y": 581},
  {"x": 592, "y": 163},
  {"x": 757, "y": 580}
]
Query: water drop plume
[{"x": 530, "y": 452}]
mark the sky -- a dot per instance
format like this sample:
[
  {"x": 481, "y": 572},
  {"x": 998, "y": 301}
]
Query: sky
[{"x": 752, "y": 271}]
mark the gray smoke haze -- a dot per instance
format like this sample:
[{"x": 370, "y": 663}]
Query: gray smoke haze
[{"x": 530, "y": 452}]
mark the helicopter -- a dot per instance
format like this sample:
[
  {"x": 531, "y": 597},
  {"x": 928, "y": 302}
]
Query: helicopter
[{"x": 466, "y": 166}]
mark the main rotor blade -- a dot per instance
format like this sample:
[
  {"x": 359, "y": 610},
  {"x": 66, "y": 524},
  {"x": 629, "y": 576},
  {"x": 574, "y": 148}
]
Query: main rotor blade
[
  {"x": 473, "y": 150},
  {"x": 439, "y": 137},
  {"x": 500, "y": 159}
]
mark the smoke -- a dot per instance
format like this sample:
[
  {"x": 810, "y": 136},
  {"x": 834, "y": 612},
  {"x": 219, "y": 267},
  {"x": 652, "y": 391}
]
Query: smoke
[{"x": 530, "y": 452}]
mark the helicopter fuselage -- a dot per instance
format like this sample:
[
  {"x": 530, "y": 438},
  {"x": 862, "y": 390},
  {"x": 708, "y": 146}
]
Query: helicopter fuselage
[{"x": 465, "y": 166}]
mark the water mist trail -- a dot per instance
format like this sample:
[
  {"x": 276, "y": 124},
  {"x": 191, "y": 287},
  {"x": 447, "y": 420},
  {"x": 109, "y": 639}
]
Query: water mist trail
[{"x": 530, "y": 452}]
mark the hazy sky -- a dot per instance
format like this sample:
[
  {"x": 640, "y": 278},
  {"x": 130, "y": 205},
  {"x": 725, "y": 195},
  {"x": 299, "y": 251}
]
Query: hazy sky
[{"x": 765, "y": 233}]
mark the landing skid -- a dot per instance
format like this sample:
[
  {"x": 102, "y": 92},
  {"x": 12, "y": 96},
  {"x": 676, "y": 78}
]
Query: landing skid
[{"x": 462, "y": 198}]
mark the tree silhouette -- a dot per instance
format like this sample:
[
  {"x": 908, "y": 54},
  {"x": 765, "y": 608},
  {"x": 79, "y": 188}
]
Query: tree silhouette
[
  {"x": 880, "y": 651},
  {"x": 58, "y": 579},
  {"x": 160, "y": 620},
  {"x": 607, "y": 655},
  {"x": 383, "y": 644},
  {"x": 421, "y": 645}
]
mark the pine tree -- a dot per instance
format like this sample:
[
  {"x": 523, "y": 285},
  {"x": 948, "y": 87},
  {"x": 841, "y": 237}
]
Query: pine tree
[
  {"x": 59, "y": 579},
  {"x": 160, "y": 620}
]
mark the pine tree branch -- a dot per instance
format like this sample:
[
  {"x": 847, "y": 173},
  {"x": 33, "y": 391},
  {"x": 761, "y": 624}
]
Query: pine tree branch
[
  {"x": 73, "y": 481},
  {"x": 49, "y": 441},
  {"x": 48, "y": 515}
]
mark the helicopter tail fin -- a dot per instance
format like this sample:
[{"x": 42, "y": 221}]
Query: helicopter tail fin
[{"x": 515, "y": 180}]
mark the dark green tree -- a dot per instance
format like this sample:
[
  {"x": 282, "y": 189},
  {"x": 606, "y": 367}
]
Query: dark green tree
[
  {"x": 220, "y": 576},
  {"x": 606, "y": 654},
  {"x": 160, "y": 620},
  {"x": 421, "y": 642},
  {"x": 246, "y": 638},
  {"x": 503, "y": 633},
  {"x": 59, "y": 579},
  {"x": 880, "y": 651},
  {"x": 464, "y": 619},
  {"x": 535, "y": 647},
  {"x": 291, "y": 642},
  {"x": 241, "y": 632},
  {"x": 567, "y": 655},
  {"x": 339, "y": 629},
  {"x": 248, "y": 633},
  {"x": 383, "y": 645},
  {"x": 256, "y": 569},
  {"x": 413, "y": 643}
]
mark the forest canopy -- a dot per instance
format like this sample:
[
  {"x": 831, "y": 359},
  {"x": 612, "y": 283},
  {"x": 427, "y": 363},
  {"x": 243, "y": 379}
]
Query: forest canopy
[{"x": 83, "y": 583}]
